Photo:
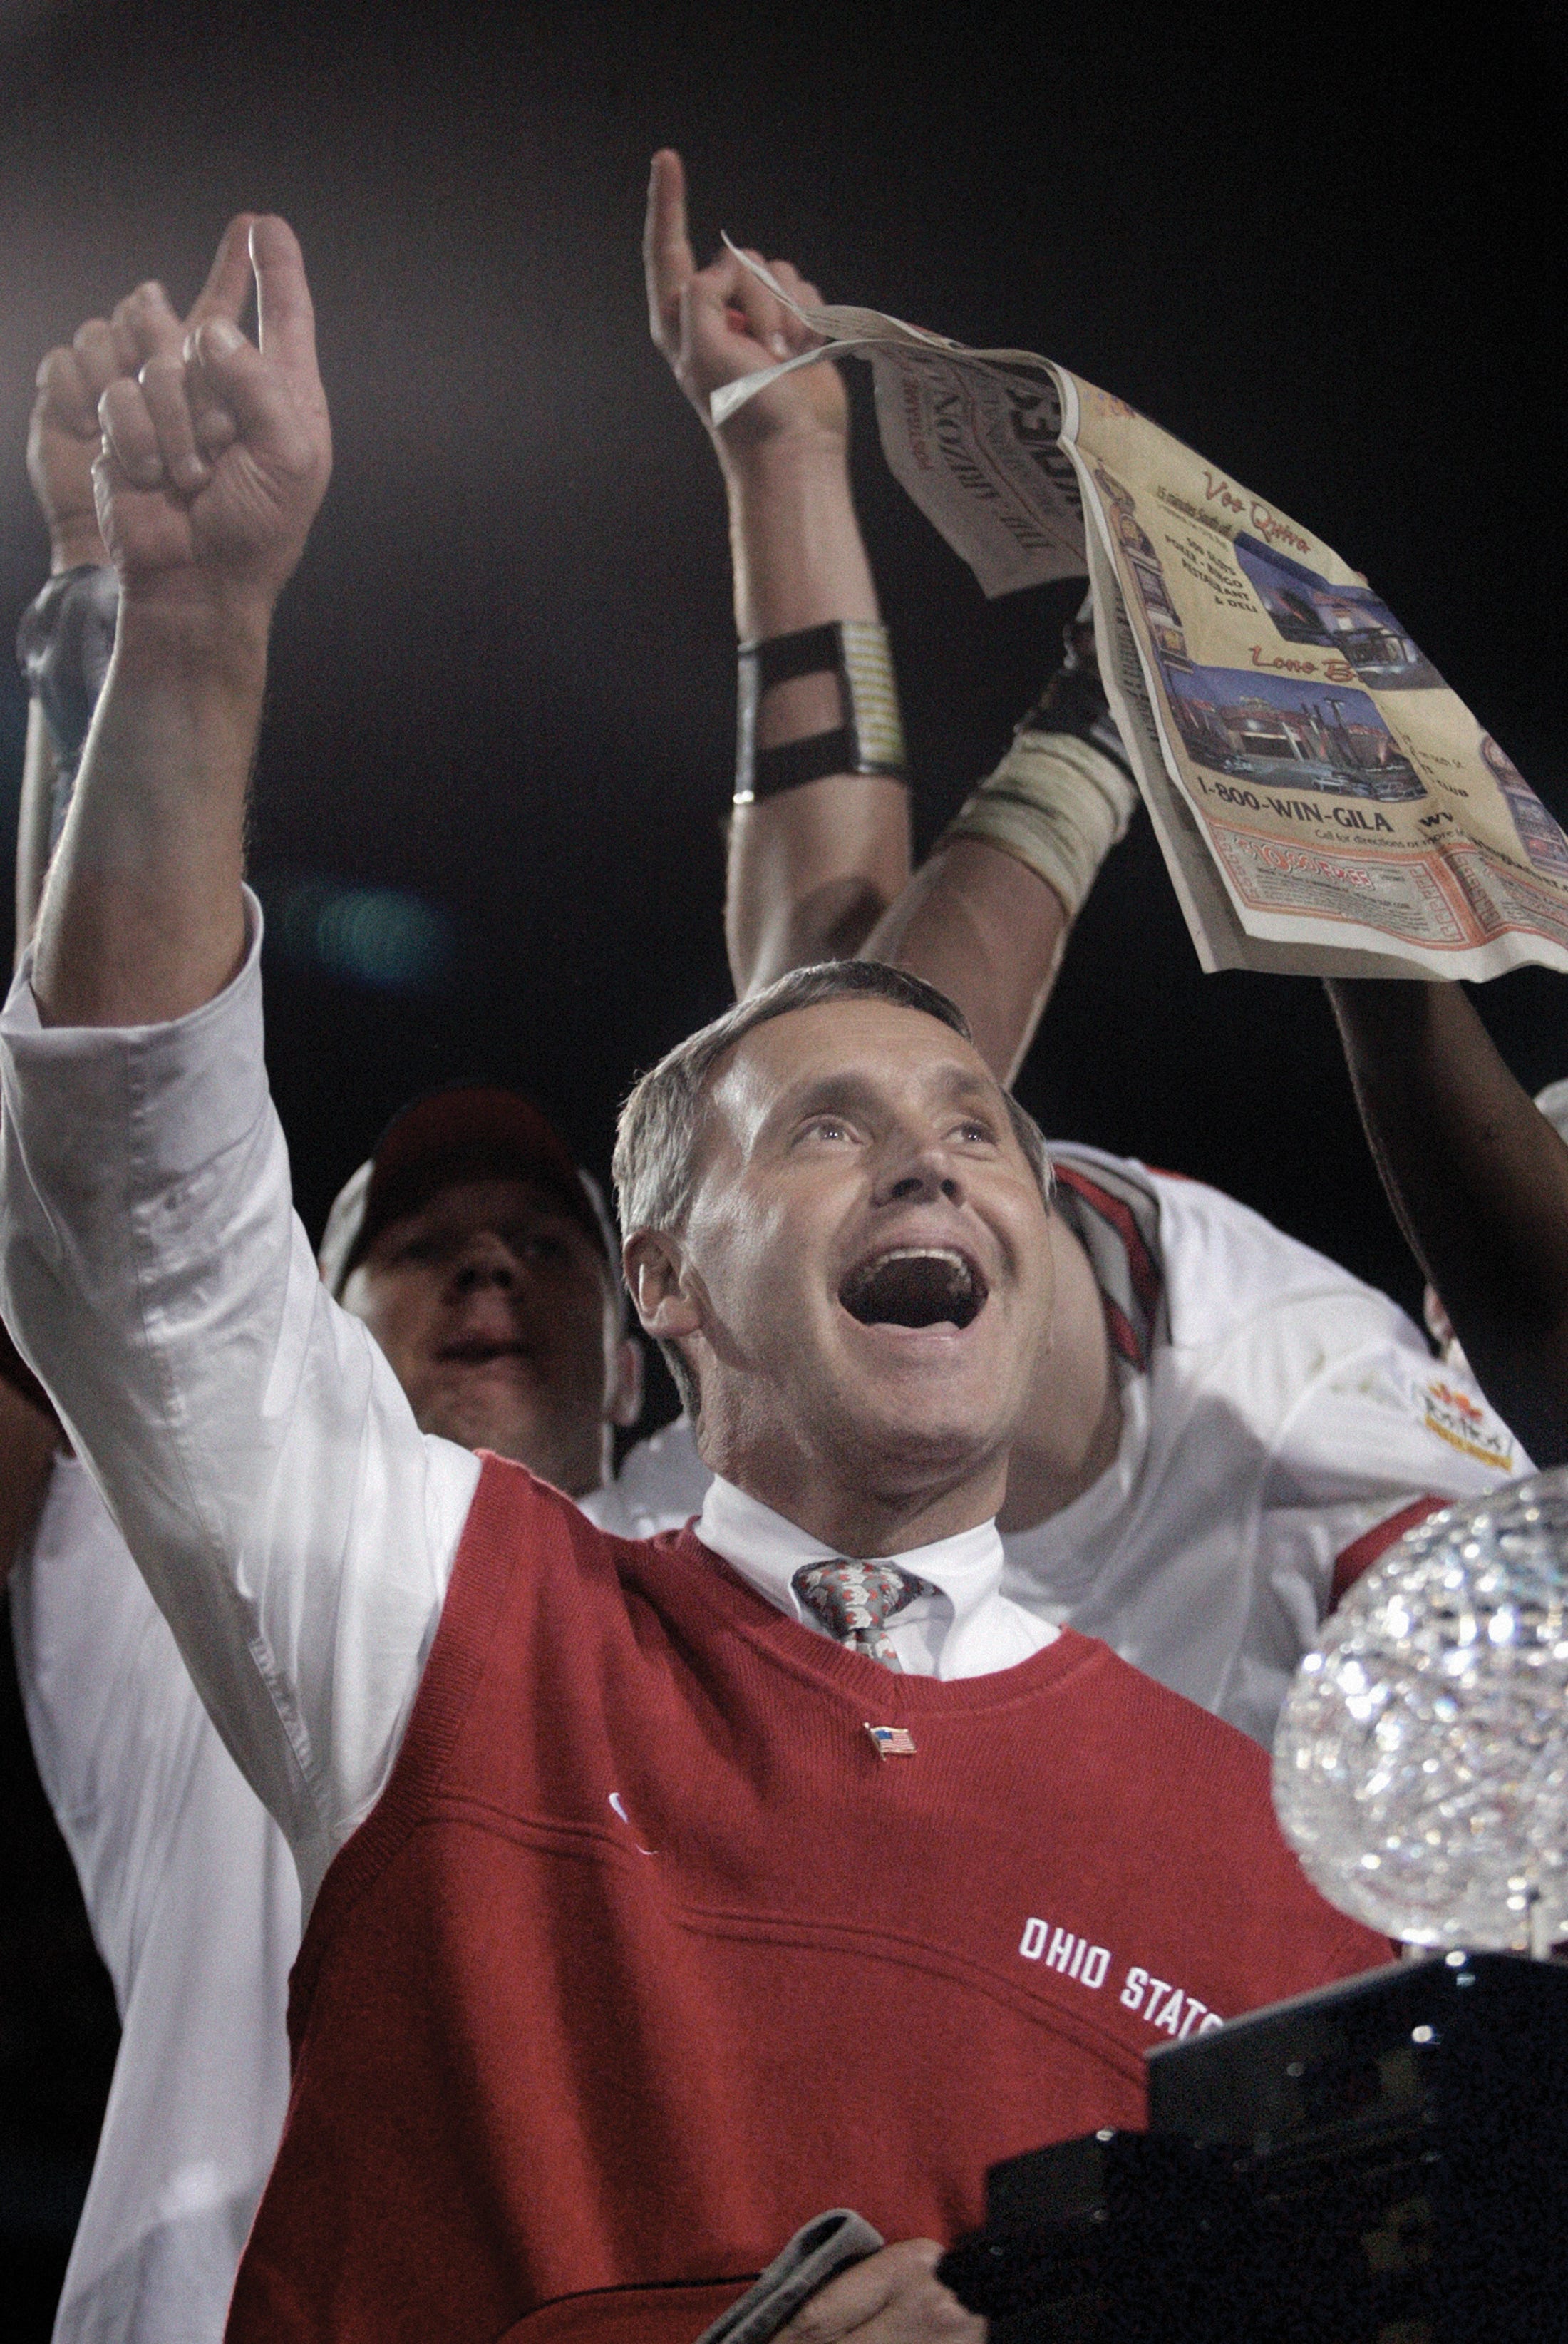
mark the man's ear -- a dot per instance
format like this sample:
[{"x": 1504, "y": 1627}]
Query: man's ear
[{"x": 660, "y": 1286}]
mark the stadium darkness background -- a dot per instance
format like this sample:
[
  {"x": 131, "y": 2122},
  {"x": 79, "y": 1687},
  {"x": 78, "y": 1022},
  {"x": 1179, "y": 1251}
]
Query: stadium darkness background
[{"x": 491, "y": 791}]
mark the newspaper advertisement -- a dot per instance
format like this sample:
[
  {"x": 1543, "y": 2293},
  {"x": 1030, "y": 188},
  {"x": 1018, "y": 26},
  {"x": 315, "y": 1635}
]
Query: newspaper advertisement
[{"x": 1324, "y": 804}]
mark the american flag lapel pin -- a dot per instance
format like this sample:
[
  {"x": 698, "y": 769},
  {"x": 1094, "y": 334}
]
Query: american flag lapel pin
[{"x": 892, "y": 1741}]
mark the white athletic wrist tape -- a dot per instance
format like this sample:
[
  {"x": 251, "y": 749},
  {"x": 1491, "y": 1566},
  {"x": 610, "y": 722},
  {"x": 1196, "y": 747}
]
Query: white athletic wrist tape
[{"x": 1056, "y": 803}]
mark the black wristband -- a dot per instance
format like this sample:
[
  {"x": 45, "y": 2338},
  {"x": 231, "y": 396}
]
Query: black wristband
[
  {"x": 794, "y": 763},
  {"x": 870, "y": 739},
  {"x": 810, "y": 650}
]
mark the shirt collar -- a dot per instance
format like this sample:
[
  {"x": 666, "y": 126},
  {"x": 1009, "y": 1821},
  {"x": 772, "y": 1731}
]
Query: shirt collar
[{"x": 767, "y": 1550}]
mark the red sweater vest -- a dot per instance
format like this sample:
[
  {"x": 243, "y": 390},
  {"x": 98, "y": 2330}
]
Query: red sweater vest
[{"x": 646, "y": 1955}]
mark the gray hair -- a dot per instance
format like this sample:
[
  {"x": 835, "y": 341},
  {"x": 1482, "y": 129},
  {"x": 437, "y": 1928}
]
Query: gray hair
[{"x": 658, "y": 1138}]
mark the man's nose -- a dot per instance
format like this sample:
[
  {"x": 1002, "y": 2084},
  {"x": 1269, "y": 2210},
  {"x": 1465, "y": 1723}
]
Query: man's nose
[
  {"x": 485, "y": 1261},
  {"x": 921, "y": 1175}
]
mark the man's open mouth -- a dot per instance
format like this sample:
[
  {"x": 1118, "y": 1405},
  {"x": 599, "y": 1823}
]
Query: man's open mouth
[{"x": 914, "y": 1286}]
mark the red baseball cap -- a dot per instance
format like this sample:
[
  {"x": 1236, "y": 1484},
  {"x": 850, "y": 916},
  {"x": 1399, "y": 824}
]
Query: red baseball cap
[{"x": 466, "y": 1132}]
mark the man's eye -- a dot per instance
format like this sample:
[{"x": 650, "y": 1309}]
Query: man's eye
[
  {"x": 975, "y": 1129},
  {"x": 541, "y": 1246},
  {"x": 826, "y": 1126}
]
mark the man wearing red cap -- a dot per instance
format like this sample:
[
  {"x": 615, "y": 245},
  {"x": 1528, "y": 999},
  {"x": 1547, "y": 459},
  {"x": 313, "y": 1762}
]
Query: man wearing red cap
[{"x": 483, "y": 1261}]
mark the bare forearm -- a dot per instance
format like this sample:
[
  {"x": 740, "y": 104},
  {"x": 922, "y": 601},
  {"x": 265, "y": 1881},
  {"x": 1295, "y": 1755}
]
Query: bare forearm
[
  {"x": 988, "y": 916},
  {"x": 810, "y": 867},
  {"x": 794, "y": 538},
  {"x": 1479, "y": 1181},
  {"x": 811, "y": 870},
  {"x": 142, "y": 919},
  {"x": 982, "y": 927}
]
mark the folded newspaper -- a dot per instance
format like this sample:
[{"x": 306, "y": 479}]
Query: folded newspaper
[{"x": 1325, "y": 804}]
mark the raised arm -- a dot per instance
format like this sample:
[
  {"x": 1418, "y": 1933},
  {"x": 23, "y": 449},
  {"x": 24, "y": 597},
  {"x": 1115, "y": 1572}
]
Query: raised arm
[
  {"x": 67, "y": 634},
  {"x": 820, "y": 851},
  {"x": 63, "y": 439},
  {"x": 813, "y": 864},
  {"x": 257, "y": 1452},
  {"x": 65, "y": 643},
  {"x": 1479, "y": 1180},
  {"x": 987, "y": 916}
]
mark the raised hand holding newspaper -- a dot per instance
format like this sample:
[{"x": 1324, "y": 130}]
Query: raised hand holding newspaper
[{"x": 1325, "y": 804}]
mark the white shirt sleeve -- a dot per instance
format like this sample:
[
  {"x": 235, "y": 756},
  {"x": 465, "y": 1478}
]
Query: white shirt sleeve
[
  {"x": 295, "y": 1526},
  {"x": 1380, "y": 1429},
  {"x": 1383, "y": 1425}
]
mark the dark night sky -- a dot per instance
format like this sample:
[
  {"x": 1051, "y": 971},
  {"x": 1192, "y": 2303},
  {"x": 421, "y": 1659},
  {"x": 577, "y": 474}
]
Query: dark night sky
[
  {"x": 504, "y": 675},
  {"x": 1320, "y": 251}
]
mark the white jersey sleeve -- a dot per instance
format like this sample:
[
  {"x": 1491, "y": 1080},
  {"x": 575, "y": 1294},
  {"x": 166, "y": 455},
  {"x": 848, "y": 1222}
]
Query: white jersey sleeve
[
  {"x": 1383, "y": 1436},
  {"x": 194, "y": 1901},
  {"x": 1280, "y": 1419}
]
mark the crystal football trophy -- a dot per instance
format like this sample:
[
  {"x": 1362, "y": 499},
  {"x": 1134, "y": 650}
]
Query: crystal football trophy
[
  {"x": 1387, "y": 2158},
  {"x": 1421, "y": 1768}
]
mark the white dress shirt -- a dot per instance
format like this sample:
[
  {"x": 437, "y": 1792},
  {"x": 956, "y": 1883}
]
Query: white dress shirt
[
  {"x": 295, "y": 1527},
  {"x": 194, "y": 1900}
]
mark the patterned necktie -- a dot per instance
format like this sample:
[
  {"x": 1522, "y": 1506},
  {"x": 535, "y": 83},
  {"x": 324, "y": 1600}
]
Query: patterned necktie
[{"x": 853, "y": 1600}]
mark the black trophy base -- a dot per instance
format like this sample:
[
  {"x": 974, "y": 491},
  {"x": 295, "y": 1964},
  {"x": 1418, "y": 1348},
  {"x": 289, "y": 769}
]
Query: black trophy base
[{"x": 1385, "y": 2162}]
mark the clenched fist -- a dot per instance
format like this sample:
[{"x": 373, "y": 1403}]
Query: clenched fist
[
  {"x": 65, "y": 436},
  {"x": 217, "y": 454}
]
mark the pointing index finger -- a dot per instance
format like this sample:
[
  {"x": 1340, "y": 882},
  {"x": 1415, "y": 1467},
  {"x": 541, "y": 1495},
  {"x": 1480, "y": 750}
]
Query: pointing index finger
[{"x": 666, "y": 245}]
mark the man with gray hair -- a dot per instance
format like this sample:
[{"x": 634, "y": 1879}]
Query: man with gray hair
[
  {"x": 658, "y": 1143},
  {"x": 658, "y": 1893}
]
